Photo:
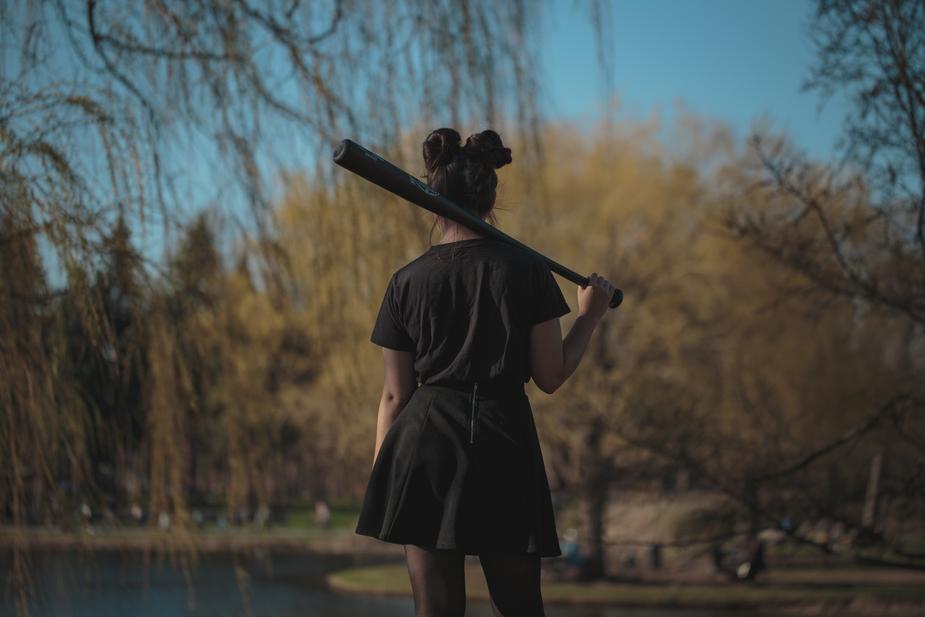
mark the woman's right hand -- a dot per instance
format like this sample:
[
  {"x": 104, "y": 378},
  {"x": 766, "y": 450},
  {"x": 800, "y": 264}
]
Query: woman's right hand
[{"x": 594, "y": 299}]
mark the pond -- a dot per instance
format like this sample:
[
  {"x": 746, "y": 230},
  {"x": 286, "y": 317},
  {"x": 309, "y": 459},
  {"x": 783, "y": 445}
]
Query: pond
[{"x": 281, "y": 584}]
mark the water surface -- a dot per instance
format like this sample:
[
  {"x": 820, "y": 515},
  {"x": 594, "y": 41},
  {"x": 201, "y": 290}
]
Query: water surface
[{"x": 281, "y": 584}]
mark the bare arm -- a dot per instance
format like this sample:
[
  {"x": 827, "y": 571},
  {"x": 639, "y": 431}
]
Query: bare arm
[
  {"x": 397, "y": 387},
  {"x": 552, "y": 359}
]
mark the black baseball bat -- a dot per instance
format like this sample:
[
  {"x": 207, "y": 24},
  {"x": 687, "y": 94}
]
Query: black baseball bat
[{"x": 351, "y": 155}]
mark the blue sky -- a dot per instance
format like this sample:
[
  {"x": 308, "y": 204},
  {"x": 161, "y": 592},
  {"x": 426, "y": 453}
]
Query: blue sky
[
  {"x": 728, "y": 60},
  {"x": 731, "y": 60}
]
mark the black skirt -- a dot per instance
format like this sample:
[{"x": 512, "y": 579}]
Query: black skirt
[{"x": 461, "y": 468}]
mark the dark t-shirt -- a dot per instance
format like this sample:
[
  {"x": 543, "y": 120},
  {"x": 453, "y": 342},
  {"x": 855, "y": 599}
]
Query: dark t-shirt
[{"x": 465, "y": 309}]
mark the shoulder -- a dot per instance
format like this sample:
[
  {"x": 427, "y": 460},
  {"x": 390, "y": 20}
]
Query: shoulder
[
  {"x": 527, "y": 263},
  {"x": 425, "y": 265},
  {"x": 411, "y": 277},
  {"x": 410, "y": 271},
  {"x": 517, "y": 255}
]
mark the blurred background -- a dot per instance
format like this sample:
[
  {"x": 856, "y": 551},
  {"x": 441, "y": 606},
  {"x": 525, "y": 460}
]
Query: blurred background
[{"x": 188, "y": 393}]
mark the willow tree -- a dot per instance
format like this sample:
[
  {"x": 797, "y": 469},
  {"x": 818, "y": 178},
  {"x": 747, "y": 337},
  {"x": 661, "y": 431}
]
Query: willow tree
[{"x": 155, "y": 108}]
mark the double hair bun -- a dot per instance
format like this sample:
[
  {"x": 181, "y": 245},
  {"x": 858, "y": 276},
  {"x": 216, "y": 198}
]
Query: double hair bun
[{"x": 442, "y": 146}]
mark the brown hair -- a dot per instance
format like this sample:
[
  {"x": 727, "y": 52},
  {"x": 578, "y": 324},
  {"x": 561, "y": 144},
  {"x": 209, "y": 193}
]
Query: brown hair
[{"x": 465, "y": 174}]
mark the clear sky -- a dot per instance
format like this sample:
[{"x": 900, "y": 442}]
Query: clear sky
[{"x": 732, "y": 60}]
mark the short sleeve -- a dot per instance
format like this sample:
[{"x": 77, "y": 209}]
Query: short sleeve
[
  {"x": 548, "y": 301},
  {"x": 389, "y": 330}
]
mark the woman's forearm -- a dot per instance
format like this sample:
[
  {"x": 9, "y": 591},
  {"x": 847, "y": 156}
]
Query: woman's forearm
[{"x": 575, "y": 343}]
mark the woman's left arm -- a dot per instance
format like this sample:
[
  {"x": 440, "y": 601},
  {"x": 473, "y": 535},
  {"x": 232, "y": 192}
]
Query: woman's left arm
[{"x": 398, "y": 384}]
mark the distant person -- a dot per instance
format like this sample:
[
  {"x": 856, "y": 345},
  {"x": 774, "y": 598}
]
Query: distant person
[
  {"x": 571, "y": 549},
  {"x": 457, "y": 468},
  {"x": 322, "y": 513},
  {"x": 749, "y": 569},
  {"x": 137, "y": 513},
  {"x": 262, "y": 515}
]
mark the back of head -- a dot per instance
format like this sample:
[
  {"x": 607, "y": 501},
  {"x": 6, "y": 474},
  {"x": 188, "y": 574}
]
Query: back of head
[{"x": 465, "y": 173}]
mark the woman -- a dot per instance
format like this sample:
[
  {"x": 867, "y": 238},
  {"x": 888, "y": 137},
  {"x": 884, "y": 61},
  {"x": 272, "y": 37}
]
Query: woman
[{"x": 457, "y": 469}]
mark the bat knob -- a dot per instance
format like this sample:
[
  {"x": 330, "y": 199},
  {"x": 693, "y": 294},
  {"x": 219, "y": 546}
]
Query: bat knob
[{"x": 616, "y": 299}]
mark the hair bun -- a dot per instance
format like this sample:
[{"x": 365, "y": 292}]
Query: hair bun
[
  {"x": 440, "y": 147},
  {"x": 487, "y": 146}
]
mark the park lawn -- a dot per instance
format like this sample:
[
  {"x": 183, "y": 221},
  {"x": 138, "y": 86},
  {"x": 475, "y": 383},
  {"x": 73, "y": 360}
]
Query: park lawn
[
  {"x": 304, "y": 518},
  {"x": 334, "y": 539},
  {"x": 805, "y": 587}
]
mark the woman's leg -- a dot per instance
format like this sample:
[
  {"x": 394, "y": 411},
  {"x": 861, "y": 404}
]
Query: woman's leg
[
  {"x": 514, "y": 584},
  {"x": 437, "y": 581}
]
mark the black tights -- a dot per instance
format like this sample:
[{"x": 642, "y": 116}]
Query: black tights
[{"x": 439, "y": 584}]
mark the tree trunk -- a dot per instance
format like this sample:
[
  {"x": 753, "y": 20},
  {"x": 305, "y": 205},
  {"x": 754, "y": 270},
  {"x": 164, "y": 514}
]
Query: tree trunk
[
  {"x": 594, "y": 492},
  {"x": 682, "y": 480},
  {"x": 872, "y": 498},
  {"x": 754, "y": 514},
  {"x": 594, "y": 506}
]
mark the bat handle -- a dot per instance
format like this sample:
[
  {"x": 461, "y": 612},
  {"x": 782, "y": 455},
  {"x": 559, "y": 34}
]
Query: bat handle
[{"x": 615, "y": 300}]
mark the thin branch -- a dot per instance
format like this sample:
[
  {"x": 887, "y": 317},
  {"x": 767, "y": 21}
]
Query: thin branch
[{"x": 865, "y": 427}]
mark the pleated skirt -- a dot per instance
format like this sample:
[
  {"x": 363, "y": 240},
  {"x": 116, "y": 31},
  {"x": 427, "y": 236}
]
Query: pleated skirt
[{"x": 462, "y": 470}]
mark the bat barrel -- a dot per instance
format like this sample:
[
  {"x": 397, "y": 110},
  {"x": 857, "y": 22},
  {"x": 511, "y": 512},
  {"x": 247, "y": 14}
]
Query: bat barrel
[
  {"x": 340, "y": 152},
  {"x": 354, "y": 157}
]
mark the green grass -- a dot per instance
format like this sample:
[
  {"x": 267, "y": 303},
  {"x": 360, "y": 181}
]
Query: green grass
[
  {"x": 304, "y": 518},
  {"x": 337, "y": 536},
  {"x": 800, "y": 588}
]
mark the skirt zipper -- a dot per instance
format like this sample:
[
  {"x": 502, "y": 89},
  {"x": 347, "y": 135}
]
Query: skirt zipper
[{"x": 475, "y": 388}]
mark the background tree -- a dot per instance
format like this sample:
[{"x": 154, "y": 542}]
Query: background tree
[
  {"x": 854, "y": 230},
  {"x": 620, "y": 205},
  {"x": 109, "y": 371},
  {"x": 102, "y": 104},
  {"x": 148, "y": 111}
]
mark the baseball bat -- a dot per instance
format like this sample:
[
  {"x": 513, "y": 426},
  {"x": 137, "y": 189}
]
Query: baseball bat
[{"x": 367, "y": 164}]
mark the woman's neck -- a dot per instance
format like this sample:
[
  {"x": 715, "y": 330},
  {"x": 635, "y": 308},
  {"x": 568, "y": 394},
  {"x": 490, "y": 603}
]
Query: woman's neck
[{"x": 458, "y": 232}]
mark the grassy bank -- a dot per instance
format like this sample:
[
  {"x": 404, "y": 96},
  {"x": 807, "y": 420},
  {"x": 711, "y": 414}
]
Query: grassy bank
[
  {"x": 337, "y": 540},
  {"x": 789, "y": 588}
]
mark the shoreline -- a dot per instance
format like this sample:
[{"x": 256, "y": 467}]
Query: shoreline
[
  {"x": 860, "y": 600},
  {"x": 793, "y": 591},
  {"x": 338, "y": 541}
]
